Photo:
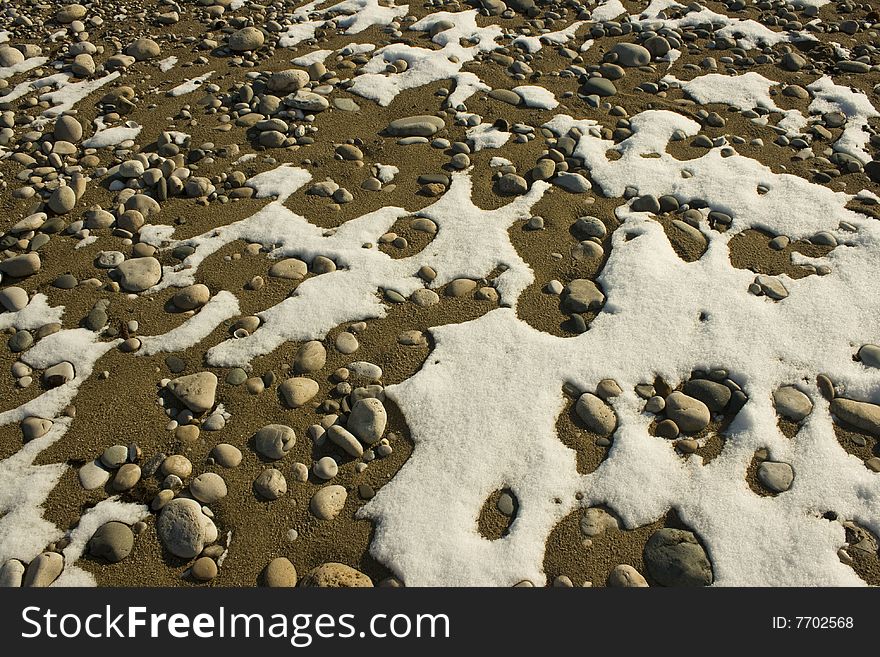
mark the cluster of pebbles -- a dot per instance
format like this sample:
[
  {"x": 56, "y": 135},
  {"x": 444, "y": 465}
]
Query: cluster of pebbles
[{"x": 118, "y": 119}]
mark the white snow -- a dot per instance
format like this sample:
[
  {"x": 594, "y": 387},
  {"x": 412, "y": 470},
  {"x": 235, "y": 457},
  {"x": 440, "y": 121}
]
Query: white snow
[
  {"x": 68, "y": 94},
  {"x": 167, "y": 64},
  {"x": 533, "y": 44},
  {"x": 221, "y": 307},
  {"x": 426, "y": 66},
  {"x": 188, "y": 86},
  {"x": 37, "y": 313},
  {"x": 831, "y": 97},
  {"x": 105, "y": 137},
  {"x": 537, "y": 97},
  {"x": 311, "y": 58},
  {"x": 26, "y": 65},
  {"x": 486, "y": 135},
  {"x": 650, "y": 325}
]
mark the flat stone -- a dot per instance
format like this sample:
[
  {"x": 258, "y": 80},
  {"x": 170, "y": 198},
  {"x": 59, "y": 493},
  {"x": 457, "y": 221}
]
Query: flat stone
[
  {"x": 506, "y": 96},
  {"x": 674, "y": 557},
  {"x": 601, "y": 87},
  {"x": 298, "y": 391},
  {"x": 574, "y": 183},
  {"x": 289, "y": 269},
  {"x": 92, "y": 476},
  {"x": 226, "y": 455},
  {"x": 197, "y": 391},
  {"x": 287, "y": 81},
  {"x": 307, "y": 101},
  {"x": 21, "y": 266},
  {"x": 460, "y": 287}
]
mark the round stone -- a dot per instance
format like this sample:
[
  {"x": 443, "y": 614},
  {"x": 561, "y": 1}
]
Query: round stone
[
  {"x": 126, "y": 477},
  {"x": 346, "y": 343},
  {"x": 246, "y": 39},
  {"x": 270, "y": 484},
  {"x": 674, "y": 557},
  {"x": 62, "y": 200},
  {"x": 776, "y": 476},
  {"x": 183, "y": 529},
  {"x": 298, "y": 391},
  {"x": 226, "y": 455},
  {"x": 327, "y": 502},
  {"x": 204, "y": 569},
  {"x": 139, "y": 274},
  {"x": 177, "y": 465},
  {"x": 310, "y": 357},
  {"x": 325, "y": 468},
  {"x": 208, "y": 488},
  {"x": 112, "y": 541},
  {"x": 274, "y": 441},
  {"x": 336, "y": 575},
  {"x": 625, "y": 575},
  {"x": 13, "y": 298},
  {"x": 367, "y": 420},
  {"x": 869, "y": 354},
  {"x": 143, "y": 49},
  {"x": 279, "y": 573},
  {"x": 596, "y": 414},
  {"x": 715, "y": 395},
  {"x": 192, "y": 297},
  {"x": 631, "y": 55},
  {"x": 689, "y": 414},
  {"x": 68, "y": 129}
]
